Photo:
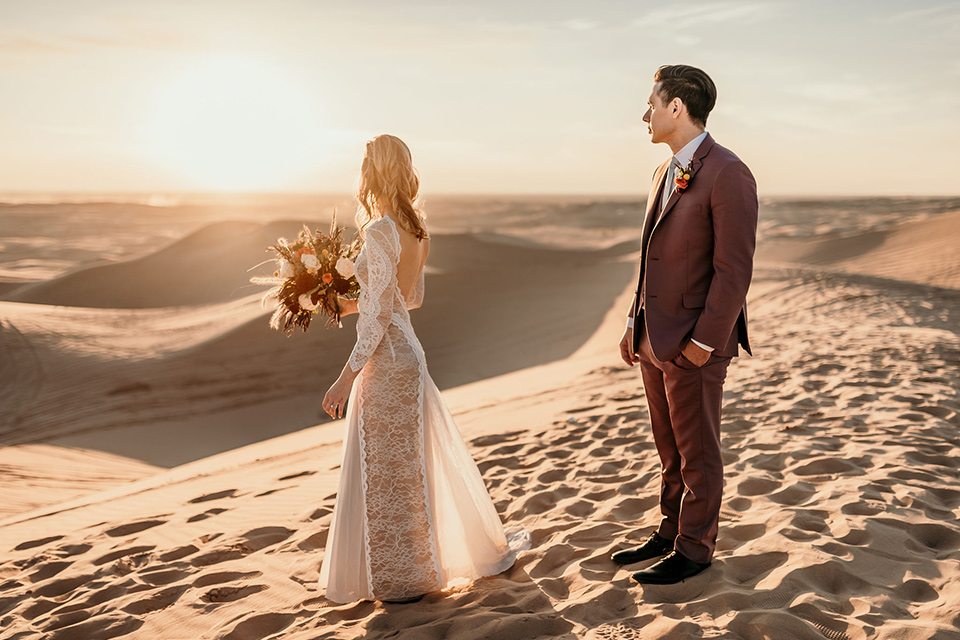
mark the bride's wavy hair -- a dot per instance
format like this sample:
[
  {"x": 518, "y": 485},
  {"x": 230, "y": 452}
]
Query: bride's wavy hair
[{"x": 389, "y": 181}]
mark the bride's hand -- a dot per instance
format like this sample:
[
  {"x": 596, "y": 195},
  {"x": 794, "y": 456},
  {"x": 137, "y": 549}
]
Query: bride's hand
[
  {"x": 335, "y": 401},
  {"x": 349, "y": 306}
]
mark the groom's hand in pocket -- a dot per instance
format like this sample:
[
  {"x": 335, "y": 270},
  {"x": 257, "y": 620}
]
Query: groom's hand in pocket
[
  {"x": 695, "y": 354},
  {"x": 626, "y": 348}
]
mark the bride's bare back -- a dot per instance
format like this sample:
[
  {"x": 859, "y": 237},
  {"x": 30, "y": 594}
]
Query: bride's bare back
[{"x": 413, "y": 257}]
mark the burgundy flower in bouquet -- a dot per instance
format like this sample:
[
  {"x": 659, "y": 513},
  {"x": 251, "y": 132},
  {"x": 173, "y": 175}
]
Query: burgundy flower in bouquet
[{"x": 312, "y": 272}]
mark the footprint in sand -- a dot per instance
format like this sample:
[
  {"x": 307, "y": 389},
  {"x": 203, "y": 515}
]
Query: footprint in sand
[
  {"x": 103, "y": 626},
  {"x": 47, "y": 570},
  {"x": 157, "y": 600},
  {"x": 260, "y": 625},
  {"x": 556, "y": 560},
  {"x": 856, "y": 538},
  {"x": 314, "y": 542},
  {"x": 133, "y": 527},
  {"x": 129, "y": 564},
  {"x": 71, "y": 550},
  {"x": 794, "y": 495},
  {"x": 221, "y": 555},
  {"x": 949, "y": 498},
  {"x": 827, "y": 465},
  {"x": 936, "y": 537},
  {"x": 296, "y": 475},
  {"x": 581, "y": 509},
  {"x": 356, "y": 611},
  {"x": 811, "y": 520},
  {"x": 120, "y": 553},
  {"x": 95, "y": 598},
  {"x": 496, "y": 438},
  {"x": 507, "y": 450},
  {"x": 744, "y": 569},
  {"x": 757, "y": 486},
  {"x": 58, "y": 622},
  {"x": 30, "y": 544},
  {"x": 231, "y": 593},
  {"x": 178, "y": 553},
  {"x": 60, "y": 587},
  {"x": 206, "y": 514},
  {"x": 263, "y": 537},
  {"x": 916, "y": 591},
  {"x": 39, "y": 607},
  {"x": 554, "y": 475},
  {"x": 318, "y": 513},
  {"x": 162, "y": 575},
  {"x": 863, "y": 507},
  {"x": 735, "y": 536},
  {"x": 226, "y": 493},
  {"x": 270, "y": 492}
]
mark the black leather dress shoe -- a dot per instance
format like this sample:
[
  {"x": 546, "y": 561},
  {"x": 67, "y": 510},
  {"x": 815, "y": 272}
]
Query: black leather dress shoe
[
  {"x": 671, "y": 570},
  {"x": 654, "y": 546}
]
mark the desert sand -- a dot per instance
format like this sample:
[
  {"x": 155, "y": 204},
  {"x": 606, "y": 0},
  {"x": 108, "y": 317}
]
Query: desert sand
[{"x": 840, "y": 435}]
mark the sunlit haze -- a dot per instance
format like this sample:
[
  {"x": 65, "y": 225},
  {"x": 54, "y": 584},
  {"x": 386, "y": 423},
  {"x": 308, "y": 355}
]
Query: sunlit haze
[{"x": 819, "y": 98}]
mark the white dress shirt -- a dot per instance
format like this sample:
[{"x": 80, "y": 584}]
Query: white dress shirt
[{"x": 679, "y": 161}]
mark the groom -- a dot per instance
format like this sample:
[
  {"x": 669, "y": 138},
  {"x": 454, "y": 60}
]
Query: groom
[{"x": 688, "y": 316}]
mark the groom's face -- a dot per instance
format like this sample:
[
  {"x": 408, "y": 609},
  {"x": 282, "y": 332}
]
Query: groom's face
[{"x": 659, "y": 119}]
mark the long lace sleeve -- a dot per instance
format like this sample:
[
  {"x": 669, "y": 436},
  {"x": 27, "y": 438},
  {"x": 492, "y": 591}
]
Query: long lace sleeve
[
  {"x": 417, "y": 299},
  {"x": 382, "y": 253}
]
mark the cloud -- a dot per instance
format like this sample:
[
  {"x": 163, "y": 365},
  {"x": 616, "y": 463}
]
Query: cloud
[
  {"x": 681, "y": 16},
  {"x": 937, "y": 13}
]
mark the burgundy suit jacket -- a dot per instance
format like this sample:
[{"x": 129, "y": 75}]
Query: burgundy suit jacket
[{"x": 696, "y": 260}]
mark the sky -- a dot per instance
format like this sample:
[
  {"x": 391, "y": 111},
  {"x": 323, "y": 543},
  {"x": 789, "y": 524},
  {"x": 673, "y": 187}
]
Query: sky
[{"x": 523, "y": 96}]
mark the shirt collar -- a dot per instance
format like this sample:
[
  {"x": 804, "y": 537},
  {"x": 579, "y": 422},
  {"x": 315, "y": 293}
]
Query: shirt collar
[{"x": 686, "y": 154}]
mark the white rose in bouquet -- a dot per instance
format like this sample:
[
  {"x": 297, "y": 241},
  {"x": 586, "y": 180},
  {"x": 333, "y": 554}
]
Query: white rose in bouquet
[
  {"x": 306, "y": 302},
  {"x": 310, "y": 261},
  {"x": 286, "y": 269},
  {"x": 345, "y": 267}
]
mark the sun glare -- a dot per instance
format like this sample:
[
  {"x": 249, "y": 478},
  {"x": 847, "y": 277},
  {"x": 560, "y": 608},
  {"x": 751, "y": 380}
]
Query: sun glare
[{"x": 234, "y": 124}]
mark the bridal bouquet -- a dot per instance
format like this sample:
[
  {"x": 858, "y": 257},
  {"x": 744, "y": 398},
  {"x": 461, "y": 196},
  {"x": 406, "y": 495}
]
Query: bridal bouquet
[{"x": 311, "y": 273}]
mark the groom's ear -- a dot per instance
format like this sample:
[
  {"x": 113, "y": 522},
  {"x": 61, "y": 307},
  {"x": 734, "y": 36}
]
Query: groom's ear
[{"x": 676, "y": 108}]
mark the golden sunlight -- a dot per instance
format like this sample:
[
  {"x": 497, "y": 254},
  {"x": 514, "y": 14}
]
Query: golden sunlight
[{"x": 233, "y": 123}]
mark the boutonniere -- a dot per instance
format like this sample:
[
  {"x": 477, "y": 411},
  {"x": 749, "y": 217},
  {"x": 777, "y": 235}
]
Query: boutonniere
[{"x": 682, "y": 176}]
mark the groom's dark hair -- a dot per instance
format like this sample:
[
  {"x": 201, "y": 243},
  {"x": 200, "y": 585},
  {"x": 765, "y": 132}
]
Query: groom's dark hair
[{"x": 693, "y": 86}]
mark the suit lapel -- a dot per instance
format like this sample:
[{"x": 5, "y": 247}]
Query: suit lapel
[
  {"x": 695, "y": 163},
  {"x": 653, "y": 203}
]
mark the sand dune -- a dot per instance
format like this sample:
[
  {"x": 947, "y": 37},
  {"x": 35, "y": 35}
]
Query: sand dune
[
  {"x": 136, "y": 382},
  {"x": 209, "y": 265},
  {"x": 922, "y": 251},
  {"x": 840, "y": 518}
]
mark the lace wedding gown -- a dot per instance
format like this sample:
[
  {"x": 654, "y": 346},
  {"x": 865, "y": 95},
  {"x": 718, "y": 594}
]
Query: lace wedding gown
[{"x": 412, "y": 512}]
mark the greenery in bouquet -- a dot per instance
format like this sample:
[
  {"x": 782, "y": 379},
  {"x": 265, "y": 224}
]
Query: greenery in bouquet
[{"x": 312, "y": 272}]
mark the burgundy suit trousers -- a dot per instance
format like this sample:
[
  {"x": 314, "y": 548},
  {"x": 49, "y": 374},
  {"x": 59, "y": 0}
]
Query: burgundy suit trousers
[{"x": 684, "y": 403}]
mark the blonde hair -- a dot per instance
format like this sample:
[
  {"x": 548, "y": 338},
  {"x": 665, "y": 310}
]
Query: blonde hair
[{"x": 389, "y": 181}]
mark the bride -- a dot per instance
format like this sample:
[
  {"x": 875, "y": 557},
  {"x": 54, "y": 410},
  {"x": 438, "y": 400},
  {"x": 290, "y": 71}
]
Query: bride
[{"x": 412, "y": 513}]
